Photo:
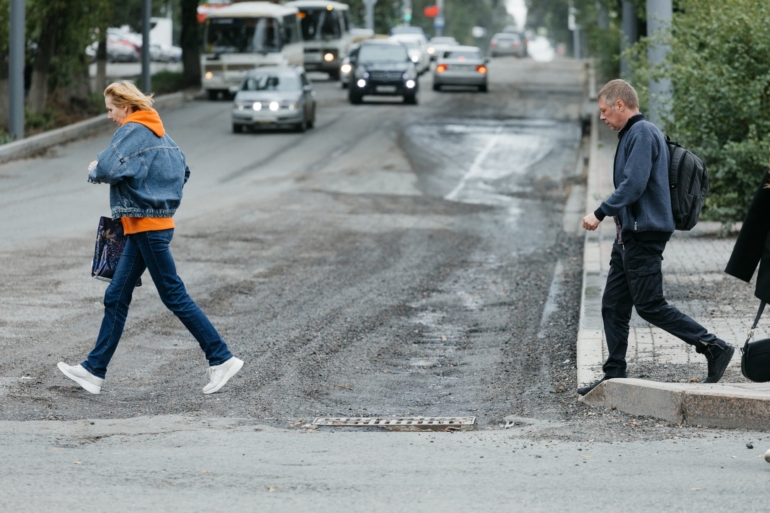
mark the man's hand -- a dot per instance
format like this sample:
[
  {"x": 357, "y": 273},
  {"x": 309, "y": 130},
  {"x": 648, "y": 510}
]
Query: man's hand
[
  {"x": 92, "y": 165},
  {"x": 590, "y": 222}
]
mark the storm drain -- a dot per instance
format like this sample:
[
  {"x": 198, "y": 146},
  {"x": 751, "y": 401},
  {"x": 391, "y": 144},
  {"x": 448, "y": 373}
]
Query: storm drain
[{"x": 401, "y": 423}]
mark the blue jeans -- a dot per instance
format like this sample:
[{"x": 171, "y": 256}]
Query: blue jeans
[{"x": 149, "y": 250}]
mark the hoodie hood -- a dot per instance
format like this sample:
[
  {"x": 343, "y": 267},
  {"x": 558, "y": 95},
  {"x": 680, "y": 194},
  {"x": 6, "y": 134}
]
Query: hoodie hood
[{"x": 148, "y": 118}]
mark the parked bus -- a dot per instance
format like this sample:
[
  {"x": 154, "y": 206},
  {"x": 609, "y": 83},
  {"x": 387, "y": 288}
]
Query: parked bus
[
  {"x": 244, "y": 36},
  {"x": 325, "y": 33}
]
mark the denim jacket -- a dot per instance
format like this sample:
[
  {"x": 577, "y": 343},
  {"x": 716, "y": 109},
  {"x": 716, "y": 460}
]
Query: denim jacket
[{"x": 146, "y": 173}]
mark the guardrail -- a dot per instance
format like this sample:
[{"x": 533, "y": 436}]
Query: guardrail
[{"x": 37, "y": 144}]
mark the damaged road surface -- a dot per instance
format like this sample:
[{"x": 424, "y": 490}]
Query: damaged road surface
[{"x": 394, "y": 261}]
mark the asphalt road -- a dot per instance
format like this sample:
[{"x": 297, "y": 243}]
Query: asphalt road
[{"x": 394, "y": 260}]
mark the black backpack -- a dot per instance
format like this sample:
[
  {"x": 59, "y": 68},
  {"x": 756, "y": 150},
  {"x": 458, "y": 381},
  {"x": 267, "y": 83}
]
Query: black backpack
[{"x": 688, "y": 182}]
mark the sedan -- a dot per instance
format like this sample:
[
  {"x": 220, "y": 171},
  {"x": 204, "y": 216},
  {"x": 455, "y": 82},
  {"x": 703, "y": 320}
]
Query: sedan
[
  {"x": 461, "y": 66},
  {"x": 507, "y": 44},
  {"x": 440, "y": 44},
  {"x": 274, "y": 96}
]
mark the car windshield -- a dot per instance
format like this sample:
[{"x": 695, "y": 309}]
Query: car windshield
[
  {"x": 443, "y": 41},
  {"x": 462, "y": 55},
  {"x": 271, "y": 82},
  {"x": 318, "y": 24},
  {"x": 382, "y": 53},
  {"x": 242, "y": 35}
]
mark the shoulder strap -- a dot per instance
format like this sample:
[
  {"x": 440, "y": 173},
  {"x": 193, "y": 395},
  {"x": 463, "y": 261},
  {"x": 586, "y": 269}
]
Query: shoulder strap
[{"x": 756, "y": 321}]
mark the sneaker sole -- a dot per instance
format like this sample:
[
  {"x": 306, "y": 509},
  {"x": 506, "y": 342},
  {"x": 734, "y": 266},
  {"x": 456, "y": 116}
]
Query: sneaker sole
[
  {"x": 88, "y": 386},
  {"x": 230, "y": 373},
  {"x": 719, "y": 370}
]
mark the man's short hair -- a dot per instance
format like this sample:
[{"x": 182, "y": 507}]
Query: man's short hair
[{"x": 619, "y": 90}]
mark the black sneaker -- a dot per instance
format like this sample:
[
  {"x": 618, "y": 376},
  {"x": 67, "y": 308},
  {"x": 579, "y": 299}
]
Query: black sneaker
[
  {"x": 718, "y": 359},
  {"x": 584, "y": 390}
]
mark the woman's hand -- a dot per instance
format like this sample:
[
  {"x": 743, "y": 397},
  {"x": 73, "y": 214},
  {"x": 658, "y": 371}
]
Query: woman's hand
[{"x": 92, "y": 165}]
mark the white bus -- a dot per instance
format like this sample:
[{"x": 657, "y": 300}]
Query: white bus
[
  {"x": 325, "y": 33},
  {"x": 244, "y": 36}
]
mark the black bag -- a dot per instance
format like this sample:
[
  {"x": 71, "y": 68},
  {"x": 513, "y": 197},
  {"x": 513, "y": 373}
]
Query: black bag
[
  {"x": 755, "y": 361},
  {"x": 688, "y": 182},
  {"x": 110, "y": 243}
]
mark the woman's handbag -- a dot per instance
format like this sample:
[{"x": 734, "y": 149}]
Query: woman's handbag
[
  {"x": 110, "y": 243},
  {"x": 755, "y": 361}
]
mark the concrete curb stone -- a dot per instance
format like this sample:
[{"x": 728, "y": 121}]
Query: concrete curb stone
[{"x": 31, "y": 146}]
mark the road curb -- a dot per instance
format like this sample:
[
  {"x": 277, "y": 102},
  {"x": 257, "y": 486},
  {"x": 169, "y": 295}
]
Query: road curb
[
  {"x": 37, "y": 144},
  {"x": 738, "y": 405},
  {"x": 590, "y": 332}
]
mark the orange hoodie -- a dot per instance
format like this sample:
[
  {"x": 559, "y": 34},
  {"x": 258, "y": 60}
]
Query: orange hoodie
[{"x": 131, "y": 225}]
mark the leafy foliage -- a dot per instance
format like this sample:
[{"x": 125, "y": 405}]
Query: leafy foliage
[{"x": 719, "y": 65}]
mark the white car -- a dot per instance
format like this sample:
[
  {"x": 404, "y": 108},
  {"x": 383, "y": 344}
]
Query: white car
[
  {"x": 440, "y": 44},
  {"x": 417, "y": 49}
]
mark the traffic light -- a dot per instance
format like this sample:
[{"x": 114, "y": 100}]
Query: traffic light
[{"x": 407, "y": 15}]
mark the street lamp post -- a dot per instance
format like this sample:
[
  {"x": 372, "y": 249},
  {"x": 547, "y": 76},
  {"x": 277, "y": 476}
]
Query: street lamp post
[
  {"x": 628, "y": 37},
  {"x": 659, "y": 18},
  {"x": 369, "y": 4},
  {"x": 146, "y": 10},
  {"x": 16, "y": 70}
]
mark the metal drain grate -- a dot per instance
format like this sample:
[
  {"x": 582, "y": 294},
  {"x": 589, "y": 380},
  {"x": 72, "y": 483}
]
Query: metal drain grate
[{"x": 401, "y": 423}]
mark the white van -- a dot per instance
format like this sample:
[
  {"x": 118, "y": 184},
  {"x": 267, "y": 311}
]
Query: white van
[
  {"x": 325, "y": 33},
  {"x": 244, "y": 36}
]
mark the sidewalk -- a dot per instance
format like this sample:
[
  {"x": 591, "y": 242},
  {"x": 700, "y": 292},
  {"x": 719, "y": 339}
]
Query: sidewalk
[{"x": 693, "y": 281}]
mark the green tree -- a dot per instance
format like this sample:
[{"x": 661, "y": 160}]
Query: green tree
[{"x": 719, "y": 65}]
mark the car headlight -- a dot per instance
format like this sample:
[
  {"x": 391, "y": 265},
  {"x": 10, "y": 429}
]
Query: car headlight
[
  {"x": 431, "y": 50},
  {"x": 274, "y": 106},
  {"x": 257, "y": 106},
  {"x": 361, "y": 83},
  {"x": 346, "y": 68},
  {"x": 328, "y": 57},
  {"x": 293, "y": 105},
  {"x": 209, "y": 75},
  {"x": 410, "y": 84}
]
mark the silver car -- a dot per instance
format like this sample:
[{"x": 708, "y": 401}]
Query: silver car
[
  {"x": 461, "y": 66},
  {"x": 439, "y": 44},
  {"x": 274, "y": 96},
  {"x": 506, "y": 43}
]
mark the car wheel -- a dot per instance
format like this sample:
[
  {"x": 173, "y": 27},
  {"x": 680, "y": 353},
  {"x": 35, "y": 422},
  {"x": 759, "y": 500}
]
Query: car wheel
[
  {"x": 213, "y": 94},
  {"x": 301, "y": 127},
  {"x": 311, "y": 123},
  {"x": 237, "y": 129},
  {"x": 483, "y": 88},
  {"x": 354, "y": 98},
  {"x": 436, "y": 87},
  {"x": 334, "y": 75},
  {"x": 410, "y": 99}
]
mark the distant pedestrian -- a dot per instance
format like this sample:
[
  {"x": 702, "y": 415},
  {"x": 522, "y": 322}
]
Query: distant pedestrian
[
  {"x": 641, "y": 206},
  {"x": 146, "y": 171}
]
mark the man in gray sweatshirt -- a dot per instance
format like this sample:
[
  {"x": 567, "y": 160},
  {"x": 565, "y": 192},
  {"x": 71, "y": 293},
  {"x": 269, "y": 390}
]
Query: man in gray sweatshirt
[{"x": 641, "y": 206}]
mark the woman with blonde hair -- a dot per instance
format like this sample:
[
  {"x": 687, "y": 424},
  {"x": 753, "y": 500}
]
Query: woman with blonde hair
[{"x": 146, "y": 172}]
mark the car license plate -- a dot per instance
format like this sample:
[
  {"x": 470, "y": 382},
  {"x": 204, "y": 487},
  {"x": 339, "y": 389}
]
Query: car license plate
[
  {"x": 265, "y": 118},
  {"x": 386, "y": 89}
]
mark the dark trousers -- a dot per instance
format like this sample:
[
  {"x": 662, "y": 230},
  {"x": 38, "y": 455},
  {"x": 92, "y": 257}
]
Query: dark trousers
[
  {"x": 149, "y": 250},
  {"x": 635, "y": 280}
]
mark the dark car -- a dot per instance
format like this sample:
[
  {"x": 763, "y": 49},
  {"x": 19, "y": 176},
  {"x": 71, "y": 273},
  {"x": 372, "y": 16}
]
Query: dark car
[{"x": 383, "y": 68}]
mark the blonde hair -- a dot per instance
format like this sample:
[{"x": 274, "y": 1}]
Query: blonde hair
[
  {"x": 125, "y": 93},
  {"x": 619, "y": 90}
]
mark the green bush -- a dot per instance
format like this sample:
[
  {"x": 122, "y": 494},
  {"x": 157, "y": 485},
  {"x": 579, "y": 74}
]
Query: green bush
[
  {"x": 165, "y": 82},
  {"x": 719, "y": 65}
]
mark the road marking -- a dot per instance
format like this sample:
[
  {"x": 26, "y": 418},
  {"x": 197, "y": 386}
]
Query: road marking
[
  {"x": 553, "y": 293},
  {"x": 475, "y": 168}
]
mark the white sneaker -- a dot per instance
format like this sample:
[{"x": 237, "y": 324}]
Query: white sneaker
[
  {"x": 82, "y": 377},
  {"x": 220, "y": 374}
]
